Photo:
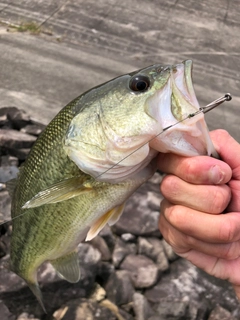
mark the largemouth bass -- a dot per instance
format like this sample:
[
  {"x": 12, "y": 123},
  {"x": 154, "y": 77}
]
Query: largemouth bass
[{"x": 91, "y": 157}]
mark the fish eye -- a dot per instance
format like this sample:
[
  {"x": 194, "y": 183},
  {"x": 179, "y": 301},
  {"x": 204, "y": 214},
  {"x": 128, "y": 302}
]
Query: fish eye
[{"x": 139, "y": 83}]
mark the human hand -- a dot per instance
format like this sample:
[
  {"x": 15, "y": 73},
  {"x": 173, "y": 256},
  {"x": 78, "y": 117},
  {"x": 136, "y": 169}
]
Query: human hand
[{"x": 197, "y": 191}]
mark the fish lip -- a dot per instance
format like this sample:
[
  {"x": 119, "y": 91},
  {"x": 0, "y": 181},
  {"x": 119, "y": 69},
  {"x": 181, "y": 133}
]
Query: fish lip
[
  {"x": 187, "y": 89},
  {"x": 188, "y": 70}
]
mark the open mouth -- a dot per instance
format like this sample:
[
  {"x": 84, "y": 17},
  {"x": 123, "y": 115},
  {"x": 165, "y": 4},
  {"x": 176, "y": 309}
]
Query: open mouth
[{"x": 183, "y": 99}]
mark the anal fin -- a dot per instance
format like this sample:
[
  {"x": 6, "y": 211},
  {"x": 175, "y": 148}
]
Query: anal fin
[
  {"x": 67, "y": 267},
  {"x": 109, "y": 217}
]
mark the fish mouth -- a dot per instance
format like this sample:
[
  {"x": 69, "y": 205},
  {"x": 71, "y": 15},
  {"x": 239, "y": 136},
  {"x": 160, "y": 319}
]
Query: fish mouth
[
  {"x": 183, "y": 98},
  {"x": 171, "y": 107}
]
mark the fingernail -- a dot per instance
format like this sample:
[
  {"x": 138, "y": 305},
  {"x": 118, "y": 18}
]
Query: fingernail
[{"x": 216, "y": 175}]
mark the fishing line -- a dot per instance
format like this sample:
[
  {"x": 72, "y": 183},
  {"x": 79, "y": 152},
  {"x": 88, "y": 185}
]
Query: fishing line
[{"x": 207, "y": 108}]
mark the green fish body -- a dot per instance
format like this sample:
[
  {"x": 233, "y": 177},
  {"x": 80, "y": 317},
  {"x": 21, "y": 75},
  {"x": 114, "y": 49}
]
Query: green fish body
[{"x": 91, "y": 157}]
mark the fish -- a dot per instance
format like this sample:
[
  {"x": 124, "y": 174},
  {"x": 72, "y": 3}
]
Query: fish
[{"x": 91, "y": 158}]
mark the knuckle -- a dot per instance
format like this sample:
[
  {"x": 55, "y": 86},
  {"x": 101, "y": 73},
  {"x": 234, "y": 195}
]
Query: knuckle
[
  {"x": 230, "y": 252},
  {"x": 220, "y": 199},
  {"x": 170, "y": 186},
  {"x": 189, "y": 169},
  {"x": 227, "y": 232},
  {"x": 189, "y": 241}
]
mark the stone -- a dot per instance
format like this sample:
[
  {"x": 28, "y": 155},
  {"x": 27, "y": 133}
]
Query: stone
[
  {"x": 173, "y": 309},
  {"x": 105, "y": 270},
  {"x": 111, "y": 306},
  {"x": 26, "y": 316},
  {"x": 8, "y": 161},
  {"x": 128, "y": 237},
  {"x": 107, "y": 234},
  {"x": 5, "y": 205},
  {"x": 119, "y": 287},
  {"x": 86, "y": 309},
  {"x": 121, "y": 250},
  {"x": 141, "y": 307},
  {"x": 98, "y": 294},
  {"x": 3, "y": 248},
  {"x": 18, "y": 118},
  {"x": 145, "y": 247},
  {"x": 154, "y": 200},
  {"x": 4, "y": 122},
  {"x": 8, "y": 172},
  {"x": 88, "y": 255},
  {"x": 5, "y": 314},
  {"x": 219, "y": 313},
  {"x": 100, "y": 244},
  {"x": 158, "y": 254},
  {"x": 125, "y": 315},
  {"x": 21, "y": 154},
  {"x": 11, "y": 139},
  {"x": 171, "y": 255},
  {"x": 33, "y": 129},
  {"x": 153, "y": 248},
  {"x": 143, "y": 271},
  {"x": 137, "y": 218}
]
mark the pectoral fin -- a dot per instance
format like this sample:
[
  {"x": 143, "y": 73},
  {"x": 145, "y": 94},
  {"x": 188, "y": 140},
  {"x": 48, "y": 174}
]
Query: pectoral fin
[
  {"x": 60, "y": 191},
  {"x": 109, "y": 217},
  {"x": 67, "y": 267}
]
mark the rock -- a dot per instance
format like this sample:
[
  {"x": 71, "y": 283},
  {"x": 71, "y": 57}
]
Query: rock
[
  {"x": 121, "y": 250},
  {"x": 3, "y": 248},
  {"x": 8, "y": 161},
  {"x": 18, "y": 118},
  {"x": 119, "y": 287},
  {"x": 100, "y": 244},
  {"x": 158, "y": 254},
  {"x": 153, "y": 248},
  {"x": 105, "y": 270},
  {"x": 84, "y": 309},
  {"x": 145, "y": 247},
  {"x": 8, "y": 173},
  {"x": 26, "y": 316},
  {"x": 5, "y": 205},
  {"x": 173, "y": 309},
  {"x": 11, "y": 139},
  {"x": 137, "y": 218},
  {"x": 171, "y": 255},
  {"x": 33, "y": 129},
  {"x": 5, "y": 314},
  {"x": 184, "y": 282},
  {"x": 98, "y": 294},
  {"x": 141, "y": 307},
  {"x": 4, "y": 122},
  {"x": 153, "y": 200},
  {"x": 111, "y": 306},
  {"x": 107, "y": 234},
  {"x": 125, "y": 315},
  {"x": 144, "y": 273},
  {"x": 21, "y": 154},
  {"x": 128, "y": 237},
  {"x": 219, "y": 313}
]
